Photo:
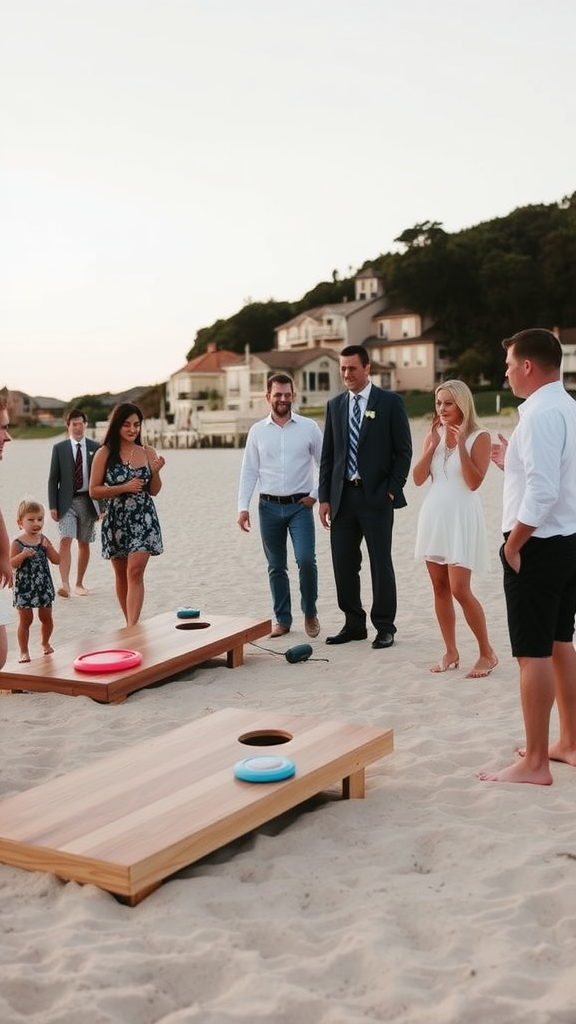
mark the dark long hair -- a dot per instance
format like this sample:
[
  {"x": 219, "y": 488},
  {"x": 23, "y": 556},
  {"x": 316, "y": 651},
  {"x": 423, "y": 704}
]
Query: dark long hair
[{"x": 118, "y": 416}]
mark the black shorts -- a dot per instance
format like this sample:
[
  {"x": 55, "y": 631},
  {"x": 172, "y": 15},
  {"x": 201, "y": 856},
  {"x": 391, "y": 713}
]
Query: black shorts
[{"x": 541, "y": 598}]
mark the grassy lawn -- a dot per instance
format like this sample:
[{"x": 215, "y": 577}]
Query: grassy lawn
[
  {"x": 32, "y": 433},
  {"x": 421, "y": 403}
]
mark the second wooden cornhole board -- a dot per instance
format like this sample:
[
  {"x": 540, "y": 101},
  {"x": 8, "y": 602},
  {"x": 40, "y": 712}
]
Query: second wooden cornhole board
[
  {"x": 168, "y": 645},
  {"x": 132, "y": 819}
]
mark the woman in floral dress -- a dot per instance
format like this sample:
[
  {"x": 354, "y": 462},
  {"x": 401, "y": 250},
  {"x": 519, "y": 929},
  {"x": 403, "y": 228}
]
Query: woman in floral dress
[{"x": 126, "y": 476}]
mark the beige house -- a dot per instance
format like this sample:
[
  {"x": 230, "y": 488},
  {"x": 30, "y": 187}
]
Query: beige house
[
  {"x": 22, "y": 407},
  {"x": 338, "y": 324},
  {"x": 409, "y": 349}
]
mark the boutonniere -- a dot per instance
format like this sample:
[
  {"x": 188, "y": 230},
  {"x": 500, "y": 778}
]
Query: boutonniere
[{"x": 370, "y": 414}]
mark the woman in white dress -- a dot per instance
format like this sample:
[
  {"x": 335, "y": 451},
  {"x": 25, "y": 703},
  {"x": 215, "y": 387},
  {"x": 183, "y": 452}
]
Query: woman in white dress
[{"x": 451, "y": 533}]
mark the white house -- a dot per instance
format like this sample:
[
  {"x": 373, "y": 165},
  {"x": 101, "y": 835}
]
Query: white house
[
  {"x": 335, "y": 325},
  {"x": 199, "y": 386},
  {"x": 316, "y": 376}
]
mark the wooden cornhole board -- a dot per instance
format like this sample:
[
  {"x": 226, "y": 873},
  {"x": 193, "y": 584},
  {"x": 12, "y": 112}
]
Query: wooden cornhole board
[
  {"x": 132, "y": 819},
  {"x": 168, "y": 645}
]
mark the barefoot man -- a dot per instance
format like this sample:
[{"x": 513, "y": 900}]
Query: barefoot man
[{"x": 539, "y": 552}]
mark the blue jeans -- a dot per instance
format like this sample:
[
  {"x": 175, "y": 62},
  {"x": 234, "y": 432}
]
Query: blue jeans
[{"x": 276, "y": 522}]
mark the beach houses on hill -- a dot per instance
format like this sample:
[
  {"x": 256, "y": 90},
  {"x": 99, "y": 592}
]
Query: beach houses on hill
[{"x": 225, "y": 390}]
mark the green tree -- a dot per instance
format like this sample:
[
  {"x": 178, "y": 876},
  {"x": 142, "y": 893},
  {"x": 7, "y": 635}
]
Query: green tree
[{"x": 253, "y": 325}]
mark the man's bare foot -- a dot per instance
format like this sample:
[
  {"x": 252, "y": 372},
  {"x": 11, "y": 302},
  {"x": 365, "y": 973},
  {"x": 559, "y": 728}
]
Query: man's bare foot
[
  {"x": 47, "y": 649},
  {"x": 447, "y": 661},
  {"x": 63, "y": 591},
  {"x": 519, "y": 772},
  {"x": 482, "y": 668},
  {"x": 81, "y": 591},
  {"x": 24, "y": 659},
  {"x": 555, "y": 753}
]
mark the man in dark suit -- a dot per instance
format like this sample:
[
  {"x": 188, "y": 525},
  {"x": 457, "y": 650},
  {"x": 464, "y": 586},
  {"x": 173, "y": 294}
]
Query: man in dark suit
[
  {"x": 70, "y": 504},
  {"x": 365, "y": 460}
]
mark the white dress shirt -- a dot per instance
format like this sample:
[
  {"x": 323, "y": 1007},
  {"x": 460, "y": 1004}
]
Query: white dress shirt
[
  {"x": 540, "y": 465},
  {"x": 281, "y": 460}
]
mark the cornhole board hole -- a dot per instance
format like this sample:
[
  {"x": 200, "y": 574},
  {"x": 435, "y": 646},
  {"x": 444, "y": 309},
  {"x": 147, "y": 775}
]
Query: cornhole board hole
[
  {"x": 129, "y": 821},
  {"x": 168, "y": 645}
]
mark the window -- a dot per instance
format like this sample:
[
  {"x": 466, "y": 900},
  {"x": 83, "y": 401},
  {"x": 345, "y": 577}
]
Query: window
[
  {"x": 408, "y": 327},
  {"x": 311, "y": 375},
  {"x": 405, "y": 357},
  {"x": 384, "y": 329},
  {"x": 421, "y": 355},
  {"x": 323, "y": 381},
  {"x": 258, "y": 382}
]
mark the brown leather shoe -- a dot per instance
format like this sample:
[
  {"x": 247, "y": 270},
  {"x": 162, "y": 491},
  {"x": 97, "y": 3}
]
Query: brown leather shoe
[
  {"x": 311, "y": 625},
  {"x": 279, "y": 630}
]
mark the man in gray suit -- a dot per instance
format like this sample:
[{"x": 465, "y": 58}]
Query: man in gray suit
[
  {"x": 70, "y": 504},
  {"x": 366, "y": 455}
]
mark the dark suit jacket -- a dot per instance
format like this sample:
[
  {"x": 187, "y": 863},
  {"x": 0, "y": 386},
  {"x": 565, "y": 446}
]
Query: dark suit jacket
[
  {"x": 384, "y": 450},
  {"x": 61, "y": 476}
]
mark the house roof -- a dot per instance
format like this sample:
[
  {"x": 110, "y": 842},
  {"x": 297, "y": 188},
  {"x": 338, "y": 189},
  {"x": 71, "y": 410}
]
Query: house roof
[
  {"x": 344, "y": 309},
  {"x": 294, "y": 359},
  {"x": 396, "y": 311},
  {"x": 211, "y": 362},
  {"x": 368, "y": 272}
]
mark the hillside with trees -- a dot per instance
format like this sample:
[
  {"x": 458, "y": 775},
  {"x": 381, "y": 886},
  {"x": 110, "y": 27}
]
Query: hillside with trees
[{"x": 480, "y": 284}]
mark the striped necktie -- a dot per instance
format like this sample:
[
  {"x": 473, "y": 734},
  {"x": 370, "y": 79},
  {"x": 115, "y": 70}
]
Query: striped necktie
[
  {"x": 78, "y": 469},
  {"x": 353, "y": 436}
]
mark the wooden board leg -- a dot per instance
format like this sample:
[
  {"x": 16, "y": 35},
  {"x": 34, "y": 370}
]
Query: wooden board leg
[
  {"x": 137, "y": 897},
  {"x": 354, "y": 786},
  {"x": 235, "y": 657}
]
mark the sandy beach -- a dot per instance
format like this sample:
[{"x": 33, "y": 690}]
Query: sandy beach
[{"x": 436, "y": 899}]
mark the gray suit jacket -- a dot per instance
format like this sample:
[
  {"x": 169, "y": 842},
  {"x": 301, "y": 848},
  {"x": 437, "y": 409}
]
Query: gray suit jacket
[
  {"x": 61, "y": 476},
  {"x": 384, "y": 450}
]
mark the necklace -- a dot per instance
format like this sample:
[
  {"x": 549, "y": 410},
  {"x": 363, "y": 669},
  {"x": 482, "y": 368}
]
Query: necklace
[
  {"x": 448, "y": 453},
  {"x": 128, "y": 461}
]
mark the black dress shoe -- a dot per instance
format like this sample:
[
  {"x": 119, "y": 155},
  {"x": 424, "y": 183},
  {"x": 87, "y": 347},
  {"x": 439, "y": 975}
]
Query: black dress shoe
[
  {"x": 345, "y": 636},
  {"x": 382, "y": 640}
]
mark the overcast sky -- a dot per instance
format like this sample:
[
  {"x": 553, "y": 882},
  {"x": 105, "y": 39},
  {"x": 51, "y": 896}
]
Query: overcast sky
[{"x": 162, "y": 162}]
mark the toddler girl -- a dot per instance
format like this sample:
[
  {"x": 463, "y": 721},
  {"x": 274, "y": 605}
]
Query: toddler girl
[{"x": 30, "y": 555}]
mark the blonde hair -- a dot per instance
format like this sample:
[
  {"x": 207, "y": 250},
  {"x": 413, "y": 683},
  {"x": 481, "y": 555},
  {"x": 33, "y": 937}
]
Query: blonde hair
[
  {"x": 27, "y": 506},
  {"x": 464, "y": 399}
]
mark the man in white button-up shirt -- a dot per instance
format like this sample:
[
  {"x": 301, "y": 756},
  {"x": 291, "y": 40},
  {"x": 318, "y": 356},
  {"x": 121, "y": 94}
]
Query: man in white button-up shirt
[
  {"x": 539, "y": 551},
  {"x": 282, "y": 455}
]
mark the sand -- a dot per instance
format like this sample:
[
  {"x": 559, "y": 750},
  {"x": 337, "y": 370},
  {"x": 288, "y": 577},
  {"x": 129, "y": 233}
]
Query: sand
[{"x": 436, "y": 899}]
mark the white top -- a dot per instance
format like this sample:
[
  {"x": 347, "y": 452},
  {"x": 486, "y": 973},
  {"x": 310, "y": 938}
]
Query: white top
[
  {"x": 451, "y": 528},
  {"x": 540, "y": 465},
  {"x": 281, "y": 460}
]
